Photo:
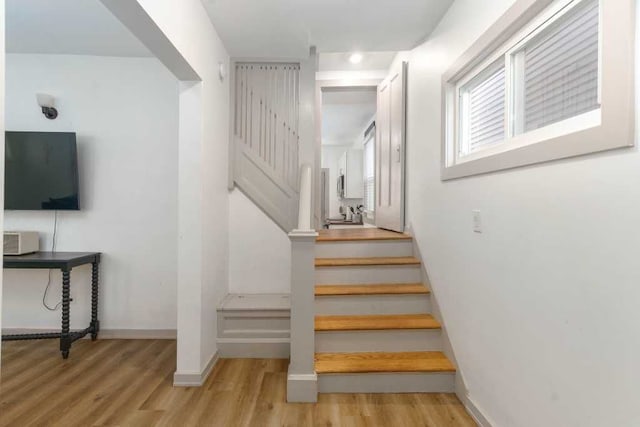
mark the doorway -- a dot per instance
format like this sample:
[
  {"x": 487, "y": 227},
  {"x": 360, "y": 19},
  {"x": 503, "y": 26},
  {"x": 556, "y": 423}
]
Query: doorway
[
  {"x": 348, "y": 117},
  {"x": 361, "y": 146}
]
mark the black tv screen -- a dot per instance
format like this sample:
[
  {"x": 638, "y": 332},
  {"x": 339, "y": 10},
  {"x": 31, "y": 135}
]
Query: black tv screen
[{"x": 41, "y": 171}]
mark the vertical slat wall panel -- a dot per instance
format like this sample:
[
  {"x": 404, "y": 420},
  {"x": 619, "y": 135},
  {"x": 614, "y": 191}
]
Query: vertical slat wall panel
[{"x": 267, "y": 100}]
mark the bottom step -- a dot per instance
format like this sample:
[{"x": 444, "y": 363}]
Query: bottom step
[
  {"x": 392, "y": 382},
  {"x": 406, "y": 372},
  {"x": 411, "y": 361}
]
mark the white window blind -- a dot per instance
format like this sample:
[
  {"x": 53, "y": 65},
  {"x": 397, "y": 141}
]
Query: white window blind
[
  {"x": 369, "y": 175},
  {"x": 561, "y": 68},
  {"x": 483, "y": 104}
]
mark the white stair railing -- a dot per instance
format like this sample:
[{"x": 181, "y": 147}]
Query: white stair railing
[
  {"x": 301, "y": 378},
  {"x": 266, "y": 115},
  {"x": 266, "y": 139}
]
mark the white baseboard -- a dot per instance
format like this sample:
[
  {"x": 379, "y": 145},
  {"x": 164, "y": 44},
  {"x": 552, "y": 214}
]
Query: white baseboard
[
  {"x": 108, "y": 334},
  {"x": 476, "y": 413},
  {"x": 302, "y": 388},
  {"x": 138, "y": 334},
  {"x": 195, "y": 379},
  {"x": 471, "y": 407}
]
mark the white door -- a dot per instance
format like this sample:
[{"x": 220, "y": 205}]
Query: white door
[{"x": 390, "y": 150}]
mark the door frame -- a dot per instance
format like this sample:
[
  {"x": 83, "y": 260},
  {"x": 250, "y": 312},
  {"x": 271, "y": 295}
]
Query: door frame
[{"x": 322, "y": 85}]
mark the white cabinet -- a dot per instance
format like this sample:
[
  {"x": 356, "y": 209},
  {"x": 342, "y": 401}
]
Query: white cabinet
[{"x": 350, "y": 164}]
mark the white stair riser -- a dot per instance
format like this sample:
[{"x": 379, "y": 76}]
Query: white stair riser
[
  {"x": 410, "y": 382},
  {"x": 386, "y": 341},
  {"x": 373, "y": 304},
  {"x": 375, "y": 248},
  {"x": 369, "y": 274}
]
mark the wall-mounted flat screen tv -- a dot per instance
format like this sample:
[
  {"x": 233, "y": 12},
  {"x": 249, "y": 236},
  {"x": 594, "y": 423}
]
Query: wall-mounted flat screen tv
[{"x": 41, "y": 171}]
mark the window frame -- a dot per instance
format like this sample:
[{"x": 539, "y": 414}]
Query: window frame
[
  {"x": 608, "y": 127},
  {"x": 369, "y": 138}
]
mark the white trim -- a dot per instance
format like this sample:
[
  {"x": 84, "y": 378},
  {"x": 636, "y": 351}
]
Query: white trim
[
  {"x": 195, "y": 379},
  {"x": 472, "y": 408},
  {"x": 303, "y": 235},
  {"x": 138, "y": 334},
  {"x": 616, "y": 126},
  {"x": 302, "y": 388},
  {"x": 351, "y": 75},
  {"x": 574, "y": 124},
  {"x": 108, "y": 334},
  {"x": 370, "y": 138},
  {"x": 254, "y": 326},
  {"x": 475, "y": 412},
  {"x": 254, "y": 348}
]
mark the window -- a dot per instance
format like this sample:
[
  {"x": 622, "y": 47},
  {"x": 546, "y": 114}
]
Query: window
[
  {"x": 482, "y": 105},
  {"x": 369, "y": 175},
  {"x": 556, "y": 73},
  {"x": 560, "y": 84}
]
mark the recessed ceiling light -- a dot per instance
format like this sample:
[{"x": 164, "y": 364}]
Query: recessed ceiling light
[{"x": 355, "y": 58}]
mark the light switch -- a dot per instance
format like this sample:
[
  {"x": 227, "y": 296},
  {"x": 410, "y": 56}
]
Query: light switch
[{"x": 477, "y": 222}]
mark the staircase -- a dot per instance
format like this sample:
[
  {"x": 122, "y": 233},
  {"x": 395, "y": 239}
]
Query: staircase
[{"x": 373, "y": 330}]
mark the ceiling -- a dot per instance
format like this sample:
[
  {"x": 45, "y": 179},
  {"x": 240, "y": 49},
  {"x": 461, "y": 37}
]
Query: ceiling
[
  {"x": 345, "y": 114},
  {"x": 287, "y": 28},
  {"x": 340, "y": 61},
  {"x": 77, "y": 27}
]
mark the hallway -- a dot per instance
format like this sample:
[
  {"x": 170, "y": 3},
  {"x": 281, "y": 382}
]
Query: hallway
[{"x": 129, "y": 383}]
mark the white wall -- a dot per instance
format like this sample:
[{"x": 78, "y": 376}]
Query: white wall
[
  {"x": 2, "y": 126},
  {"x": 125, "y": 113},
  {"x": 203, "y": 170},
  {"x": 542, "y": 307},
  {"x": 259, "y": 251}
]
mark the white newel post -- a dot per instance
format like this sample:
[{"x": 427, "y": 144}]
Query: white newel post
[{"x": 302, "y": 381}]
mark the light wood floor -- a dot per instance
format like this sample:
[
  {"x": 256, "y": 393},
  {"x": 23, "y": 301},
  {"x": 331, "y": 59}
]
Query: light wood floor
[{"x": 128, "y": 383}]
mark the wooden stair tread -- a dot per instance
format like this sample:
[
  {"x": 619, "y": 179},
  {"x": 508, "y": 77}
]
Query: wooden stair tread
[
  {"x": 372, "y": 289},
  {"x": 375, "y": 322},
  {"x": 359, "y": 234},
  {"x": 348, "y": 262},
  {"x": 414, "y": 361}
]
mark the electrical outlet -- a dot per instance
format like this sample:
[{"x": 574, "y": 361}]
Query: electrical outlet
[{"x": 477, "y": 222}]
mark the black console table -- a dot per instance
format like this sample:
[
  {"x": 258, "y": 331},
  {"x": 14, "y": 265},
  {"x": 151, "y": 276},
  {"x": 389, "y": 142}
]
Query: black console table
[{"x": 64, "y": 261}]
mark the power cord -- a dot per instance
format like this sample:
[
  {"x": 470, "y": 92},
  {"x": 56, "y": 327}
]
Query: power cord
[{"x": 53, "y": 249}]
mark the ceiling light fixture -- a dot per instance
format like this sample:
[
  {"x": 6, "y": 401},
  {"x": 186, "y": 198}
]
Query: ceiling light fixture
[{"x": 355, "y": 58}]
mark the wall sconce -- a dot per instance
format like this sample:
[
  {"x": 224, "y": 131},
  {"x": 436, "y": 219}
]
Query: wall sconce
[{"x": 46, "y": 102}]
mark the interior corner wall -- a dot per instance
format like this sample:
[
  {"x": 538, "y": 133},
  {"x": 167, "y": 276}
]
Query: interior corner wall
[
  {"x": 125, "y": 114},
  {"x": 189, "y": 222},
  {"x": 259, "y": 251},
  {"x": 187, "y": 27},
  {"x": 542, "y": 307}
]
